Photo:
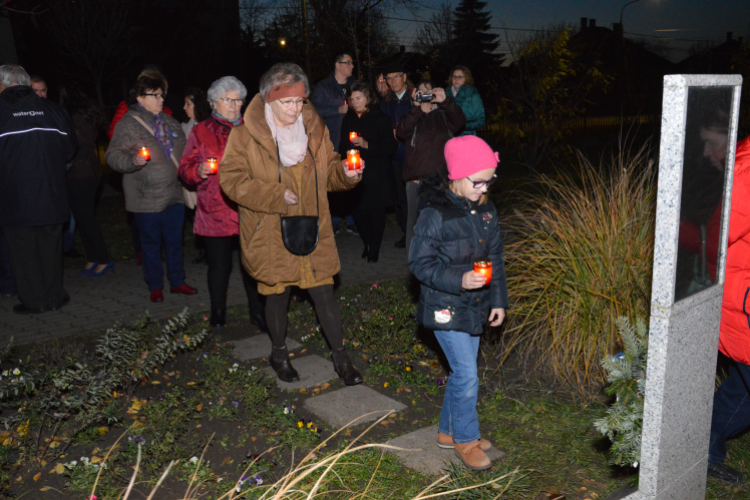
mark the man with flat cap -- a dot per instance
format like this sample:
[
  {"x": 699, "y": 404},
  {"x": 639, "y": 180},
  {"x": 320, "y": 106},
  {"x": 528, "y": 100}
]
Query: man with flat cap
[{"x": 396, "y": 104}]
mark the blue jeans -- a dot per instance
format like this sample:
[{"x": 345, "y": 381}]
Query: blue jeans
[
  {"x": 459, "y": 417},
  {"x": 731, "y": 413},
  {"x": 153, "y": 229},
  {"x": 336, "y": 221}
]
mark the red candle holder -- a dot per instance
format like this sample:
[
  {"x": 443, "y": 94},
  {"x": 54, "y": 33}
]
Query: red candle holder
[
  {"x": 353, "y": 161},
  {"x": 145, "y": 153},
  {"x": 213, "y": 164},
  {"x": 485, "y": 269},
  {"x": 352, "y": 135}
]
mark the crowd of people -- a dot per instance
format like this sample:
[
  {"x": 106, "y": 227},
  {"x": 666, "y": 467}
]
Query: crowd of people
[{"x": 277, "y": 183}]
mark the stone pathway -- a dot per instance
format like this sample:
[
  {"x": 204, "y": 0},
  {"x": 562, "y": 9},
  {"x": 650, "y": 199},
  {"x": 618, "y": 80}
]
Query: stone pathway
[
  {"x": 421, "y": 452},
  {"x": 122, "y": 295},
  {"x": 257, "y": 347},
  {"x": 342, "y": 406},
  {"x": 358, "y": 405}
]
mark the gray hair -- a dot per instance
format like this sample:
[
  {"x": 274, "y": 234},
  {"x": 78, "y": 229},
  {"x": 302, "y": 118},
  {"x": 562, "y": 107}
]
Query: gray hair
[
  {"x": 282, "y": 73},
  {"x": 11, "y": 74},
  {"x": 225, "y": 84}
]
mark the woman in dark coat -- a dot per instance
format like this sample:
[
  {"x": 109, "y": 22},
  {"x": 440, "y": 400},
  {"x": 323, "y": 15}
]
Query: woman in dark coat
[
  {"x": 83, "y": 180},
  {"x": 376, "y": 144}
]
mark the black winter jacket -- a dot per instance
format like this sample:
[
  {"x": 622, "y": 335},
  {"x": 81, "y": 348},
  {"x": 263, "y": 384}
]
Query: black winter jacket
[
  {"x": 375, "y": 189},
  {"x": 327, "y": 99},
  {"x": 36, "y": 143},
  {"x": 396, "y": 109},
  {"x": 425, "y": 135},
  {"x": 451, "y": 233}
]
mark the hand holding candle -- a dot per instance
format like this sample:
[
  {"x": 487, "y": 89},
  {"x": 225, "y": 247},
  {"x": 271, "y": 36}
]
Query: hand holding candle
[
  {"x": 352, "y": 135},
  {"x": 145, "y": 153},
  {"x": 353, "y": 160},
  {"x": 213, "y": 165},
  {"x": 485, "y": 269}
]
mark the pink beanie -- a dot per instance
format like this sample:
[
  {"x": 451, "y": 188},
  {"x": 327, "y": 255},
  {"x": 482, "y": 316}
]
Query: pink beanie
[{"x": 467, "y": 155}]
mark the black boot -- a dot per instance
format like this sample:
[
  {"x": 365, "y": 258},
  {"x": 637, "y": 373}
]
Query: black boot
[
  {"x": 724, "y": 473},
  {"x": 218, "y": 317},
  {"x": 259, "y": 320},
  {"x": 344, "y": 367},
  {"x": 365, "y": 252},
  {"x": 282, "y": 366}
]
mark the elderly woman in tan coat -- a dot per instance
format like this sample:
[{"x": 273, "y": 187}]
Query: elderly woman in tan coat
[{"x": 281, "y": 162}]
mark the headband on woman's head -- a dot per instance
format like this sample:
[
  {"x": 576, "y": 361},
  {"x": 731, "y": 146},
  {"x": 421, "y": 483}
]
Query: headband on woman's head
[{"x": 296, "y": 89}]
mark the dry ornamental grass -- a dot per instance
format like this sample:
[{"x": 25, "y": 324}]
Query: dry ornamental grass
[{"x": 581, "y": 256}]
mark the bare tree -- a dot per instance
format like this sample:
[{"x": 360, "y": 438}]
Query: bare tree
[
  {"x": 437, "y": 32},
  {"x": 91, "y": 35}
]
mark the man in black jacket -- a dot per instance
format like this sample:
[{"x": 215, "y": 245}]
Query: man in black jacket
[
  {"x": 330, "y": 100},
  {"x": 36, "y": 143}
]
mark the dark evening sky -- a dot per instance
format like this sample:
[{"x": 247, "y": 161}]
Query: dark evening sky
[{"x": 686, "y": 20}]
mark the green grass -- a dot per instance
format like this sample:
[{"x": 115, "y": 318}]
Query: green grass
[{"x": 553, "y": 441}]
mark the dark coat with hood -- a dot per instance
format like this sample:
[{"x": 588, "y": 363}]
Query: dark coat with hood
[
  {"x": 37, "y": 141},
  {"x": 327, "y": 98},
  {"x": 375, "y": 189},
  {"x": 450, "y": 235},
  {"x": 425, "y": 135}
]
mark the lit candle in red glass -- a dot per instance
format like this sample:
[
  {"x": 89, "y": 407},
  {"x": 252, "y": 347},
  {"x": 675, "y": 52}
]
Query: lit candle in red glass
[
  {"x": 352, "y": 135},
  {"x": 484, "y": 268},
  {"x": 353, "y": 161},
  {"x": 145, "y": 153},
  {"x": 213, "y": 164}
]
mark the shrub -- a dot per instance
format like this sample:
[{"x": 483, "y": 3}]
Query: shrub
[
  {"x": 84, "y": 391},
  {"x": 627, "y": 378},
  {"x": 582, "y": 258}
]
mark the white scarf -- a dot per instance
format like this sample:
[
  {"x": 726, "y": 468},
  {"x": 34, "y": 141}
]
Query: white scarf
[{"x": 292, "y": 141}]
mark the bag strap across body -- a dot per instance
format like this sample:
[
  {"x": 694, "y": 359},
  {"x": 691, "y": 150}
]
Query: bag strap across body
[
  {"x": 315, "y": 168},
  {"x": 171, "y": 155}
]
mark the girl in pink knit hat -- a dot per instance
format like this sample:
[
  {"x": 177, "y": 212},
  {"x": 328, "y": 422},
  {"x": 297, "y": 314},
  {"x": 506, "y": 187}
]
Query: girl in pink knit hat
[{"x": 457, "y": 233}]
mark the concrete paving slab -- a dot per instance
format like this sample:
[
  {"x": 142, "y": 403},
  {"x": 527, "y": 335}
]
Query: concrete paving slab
[
  {"x": 312, "y": 370},
  {"x": 340, "y": 407},
  {"x": 424, "y": 455},
  {"x": 258, "y": 346}
]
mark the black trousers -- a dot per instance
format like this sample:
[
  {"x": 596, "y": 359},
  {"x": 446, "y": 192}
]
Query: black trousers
[
  {"x": 7, "y": 281},
  {"x": 219, "y": 257},
  {"x": 399, "y": 193},
  {"x": 277, "y": 309},
  {"x": 371, "y": 225},
  {"x": 36, "y": 259},
  {"x": 82, "y": 199}
]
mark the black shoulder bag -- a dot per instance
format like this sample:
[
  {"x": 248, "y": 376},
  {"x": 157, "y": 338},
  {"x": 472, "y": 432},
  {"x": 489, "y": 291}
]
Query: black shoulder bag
[{"x": 300, "y": 232}]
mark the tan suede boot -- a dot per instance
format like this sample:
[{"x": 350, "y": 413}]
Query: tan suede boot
[
  {"x": 446, "y": 442},
  {"x": 472, "y": 457}
]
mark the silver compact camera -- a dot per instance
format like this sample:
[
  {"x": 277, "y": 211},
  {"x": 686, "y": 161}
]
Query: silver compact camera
[{"x": 424, "y": 97}]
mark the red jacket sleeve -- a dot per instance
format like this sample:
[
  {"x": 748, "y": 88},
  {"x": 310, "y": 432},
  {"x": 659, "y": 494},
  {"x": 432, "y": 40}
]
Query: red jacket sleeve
[
  {"x": 192, "y": 157},
  {"x": 122, "y": 108}
]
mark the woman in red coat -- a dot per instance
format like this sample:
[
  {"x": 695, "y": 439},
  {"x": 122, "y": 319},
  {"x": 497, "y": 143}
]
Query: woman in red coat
[
  {"x": 731, "y": 410},
  {"x": 216, "y": 216}
]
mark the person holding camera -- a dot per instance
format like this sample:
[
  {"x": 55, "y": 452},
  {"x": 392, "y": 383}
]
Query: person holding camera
[{"x": 433, "y": 119}]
